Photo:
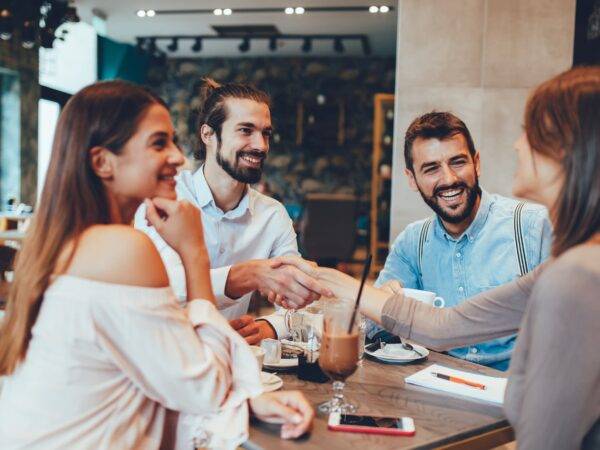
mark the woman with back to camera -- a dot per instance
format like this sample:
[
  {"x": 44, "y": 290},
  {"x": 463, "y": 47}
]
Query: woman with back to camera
[
  {"x": 94, "y": 346},
  {"x": 553, "y": 394}
]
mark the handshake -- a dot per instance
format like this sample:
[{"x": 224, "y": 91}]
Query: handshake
[
  {"x": 297, "y": 282},
  {"x": 293, "y": 283}
]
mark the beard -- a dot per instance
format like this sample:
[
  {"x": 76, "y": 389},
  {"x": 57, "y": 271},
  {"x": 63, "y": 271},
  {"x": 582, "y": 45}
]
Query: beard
[
  {"x": 247, "y": 175},
  {"x": 462, "y": 212}
]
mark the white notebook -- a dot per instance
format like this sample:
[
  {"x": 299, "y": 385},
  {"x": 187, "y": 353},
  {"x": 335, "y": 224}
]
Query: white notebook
[{"x": 493, "y": 393}]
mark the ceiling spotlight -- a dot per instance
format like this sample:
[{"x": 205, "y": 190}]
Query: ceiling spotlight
[
  {"x": 384, "y": 9},
  {"x": 307, "y": 45},
  {"x": 227, "y": 11},
  {"x": 150, "y": 13},
  {"x": 373, "y": 9},
  {"x": 6, "y": 24},
  {"x": 218, "y": 12},
  {"x": 245, "y": 45},
  {"x": 28, "y": 34},
  {"x": 299, "y": 10},
  {"x": 197, "y": 45},
  {"x": 272, "y": 43},
  {"x": 174, "y": 45},
  {"x": 289, "y": 10},
  {"x": 141, "y": 13},
  {"x": 338, "y": 45}
]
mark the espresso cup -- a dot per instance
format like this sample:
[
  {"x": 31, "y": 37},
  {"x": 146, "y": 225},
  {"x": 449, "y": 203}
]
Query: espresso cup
[
  {"x": 425, "y": 296},
  {"x": 259, "y": 354}
]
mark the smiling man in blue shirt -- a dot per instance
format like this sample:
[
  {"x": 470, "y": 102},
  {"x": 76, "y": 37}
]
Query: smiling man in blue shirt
[{"x": 475, "y": 241}]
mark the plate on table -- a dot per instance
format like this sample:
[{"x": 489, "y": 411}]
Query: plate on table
[
  {"x": 283, "y": 364},
  {"x": 396, "y": 354},
  {"x": 270, "y": 381}
]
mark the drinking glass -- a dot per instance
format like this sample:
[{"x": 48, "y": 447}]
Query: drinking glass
[
  {"x": 306, "y": 326},
  {"x": 338, "y": 356}
]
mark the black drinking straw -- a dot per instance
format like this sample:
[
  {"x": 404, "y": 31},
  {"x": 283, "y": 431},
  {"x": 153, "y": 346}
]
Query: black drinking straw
[{"x": 366, "y": 269}]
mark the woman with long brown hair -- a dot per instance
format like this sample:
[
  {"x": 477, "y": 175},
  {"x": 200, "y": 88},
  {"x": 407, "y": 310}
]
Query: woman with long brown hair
[
  {"x": 93, "y": 346},
  {"x": 553, "y": 394}
]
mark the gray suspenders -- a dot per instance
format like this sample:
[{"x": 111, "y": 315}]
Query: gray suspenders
[
  {"x": 422, "y": 239},
  {"x": 521, "y": 256}
]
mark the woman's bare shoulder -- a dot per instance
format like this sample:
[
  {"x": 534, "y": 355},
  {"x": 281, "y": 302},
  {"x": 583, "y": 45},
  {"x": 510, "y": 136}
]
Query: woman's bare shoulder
[{"x": 117, "y": 254}]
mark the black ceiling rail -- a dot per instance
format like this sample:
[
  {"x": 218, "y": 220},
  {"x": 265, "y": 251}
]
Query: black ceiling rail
[
  {"x": 148, "y": 42},
  {"x": 280, "y": 36}
]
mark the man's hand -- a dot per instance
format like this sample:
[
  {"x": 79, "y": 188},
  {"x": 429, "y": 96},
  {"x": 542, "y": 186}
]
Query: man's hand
[
  {"x": 252, "y": 330},
  {"x": 290, "y": 408}
]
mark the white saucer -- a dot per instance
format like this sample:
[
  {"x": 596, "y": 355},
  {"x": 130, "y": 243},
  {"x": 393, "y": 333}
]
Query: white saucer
[
  {"x": 270, "y": 381},
  {"x": 283, "y": 364},
  {"x": 399, "y": 354}
]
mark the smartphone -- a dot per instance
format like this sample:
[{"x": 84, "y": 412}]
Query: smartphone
[{"x": 395, "y": 426}]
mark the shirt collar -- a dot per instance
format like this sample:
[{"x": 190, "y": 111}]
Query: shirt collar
[
  {"x": 478, "y": 223},
  {"x": 204, "y": 197}
]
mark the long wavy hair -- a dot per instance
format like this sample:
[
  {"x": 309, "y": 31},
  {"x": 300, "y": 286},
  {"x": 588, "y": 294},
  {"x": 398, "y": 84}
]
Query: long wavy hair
[
  {"x": 105, "y": 114},
  {"x": 562, "y": 121}
]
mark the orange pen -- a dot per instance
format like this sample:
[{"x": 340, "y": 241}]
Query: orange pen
[{"x": 459, "y": 380}]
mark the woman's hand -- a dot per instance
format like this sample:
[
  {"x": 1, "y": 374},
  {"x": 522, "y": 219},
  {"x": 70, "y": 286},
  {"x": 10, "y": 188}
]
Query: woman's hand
[
  {"x": 392, "y": 286},
  {"x": 290, "y": 408},
  {"x": 302, "y": 273},
  {"x": 178, "y": 222},
  {"x": 342, "y": 285}
]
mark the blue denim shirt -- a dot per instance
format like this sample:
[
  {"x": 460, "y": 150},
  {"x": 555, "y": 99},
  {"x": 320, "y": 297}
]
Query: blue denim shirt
[{"x": 483, "y": 257}]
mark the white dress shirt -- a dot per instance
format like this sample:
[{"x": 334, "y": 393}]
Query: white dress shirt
[
  {"x": 258, "y": 228},
  {"x": 105, "y": 362}
]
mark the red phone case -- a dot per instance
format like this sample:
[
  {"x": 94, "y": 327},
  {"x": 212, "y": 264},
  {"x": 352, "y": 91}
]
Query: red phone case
[{"x": 370, "y": 430}]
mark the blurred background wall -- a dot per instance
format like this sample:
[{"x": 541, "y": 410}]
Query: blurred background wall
[{"x": 322, "y": 112}]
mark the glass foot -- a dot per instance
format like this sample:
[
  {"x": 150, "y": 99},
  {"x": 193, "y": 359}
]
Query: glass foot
[{"x": 334, "y": 406}]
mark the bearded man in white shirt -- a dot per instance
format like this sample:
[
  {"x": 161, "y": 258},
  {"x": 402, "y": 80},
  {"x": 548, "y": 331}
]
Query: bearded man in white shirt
[{"x": 250, "y": 237}]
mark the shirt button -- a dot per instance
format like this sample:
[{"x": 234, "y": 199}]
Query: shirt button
[
  {"x": 458, "y": 255},
  {"x": 474, "y": 350},
  {"x": 221, "y": 250},
  {"x": 460, "y": 288}
]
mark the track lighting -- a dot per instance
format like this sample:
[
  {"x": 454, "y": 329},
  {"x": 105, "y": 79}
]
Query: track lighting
[
  {"x": 171, "y": 43},
  {"x": 307, "y": 45},
  {"x": 338, "y": 45},
  {"x": 272, "y": 43},
  {"x": 174, "y": 45},
  {"x": 245, "y": 45},
  {"x": 197, "y": 45}
]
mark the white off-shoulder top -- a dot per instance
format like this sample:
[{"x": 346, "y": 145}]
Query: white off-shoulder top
[{"x": 106, "y": 362}]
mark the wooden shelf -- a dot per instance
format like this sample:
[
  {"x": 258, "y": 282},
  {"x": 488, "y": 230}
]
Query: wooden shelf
[{"x": 381, "y": 101}]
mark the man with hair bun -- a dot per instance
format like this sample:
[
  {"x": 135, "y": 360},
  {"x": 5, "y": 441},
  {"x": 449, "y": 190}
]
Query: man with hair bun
[{"x": 249, "y": 237}]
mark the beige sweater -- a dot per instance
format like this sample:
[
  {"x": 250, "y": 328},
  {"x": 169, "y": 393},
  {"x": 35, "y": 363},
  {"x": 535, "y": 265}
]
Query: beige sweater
[{"x": 553, "y": 394}]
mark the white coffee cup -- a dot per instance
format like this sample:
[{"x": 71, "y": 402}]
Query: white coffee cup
[
  {"x": 425, "y": 296},
  {"x": 259, "y": 354}
]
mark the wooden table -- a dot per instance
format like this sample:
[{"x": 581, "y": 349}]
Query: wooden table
[{"x": 441, "y": 421}]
